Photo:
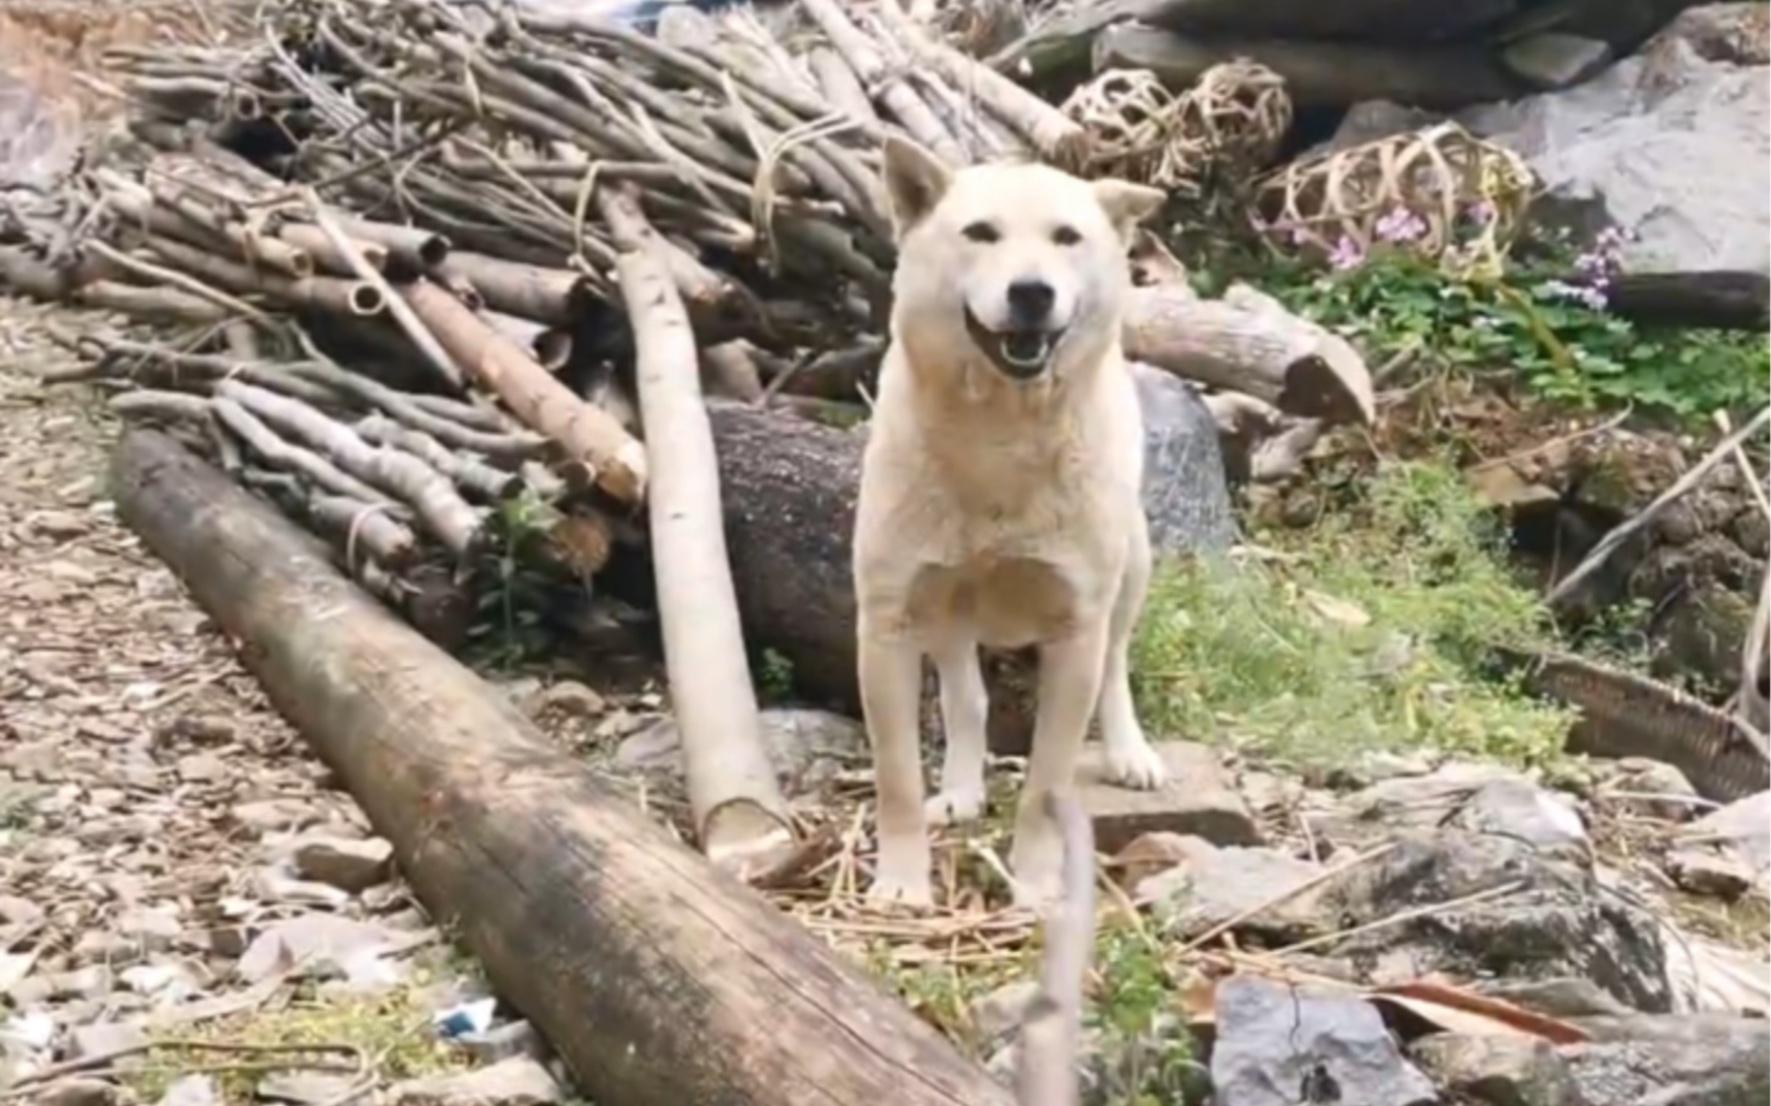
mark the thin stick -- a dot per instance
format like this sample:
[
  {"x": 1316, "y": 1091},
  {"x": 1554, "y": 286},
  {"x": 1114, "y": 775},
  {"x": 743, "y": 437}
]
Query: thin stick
[
  {"x": 1285, "y": 896},
  {"x": 1744, "y": 463},
  {"x": 1051, "y": 1034},
  {"x": 1620, "y": 534},
  {"x": 178, "y": 280}
]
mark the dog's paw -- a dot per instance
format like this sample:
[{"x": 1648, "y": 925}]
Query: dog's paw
[
  {"x": 1137, "y": 767},
  {"x": 952, "y": 808}
]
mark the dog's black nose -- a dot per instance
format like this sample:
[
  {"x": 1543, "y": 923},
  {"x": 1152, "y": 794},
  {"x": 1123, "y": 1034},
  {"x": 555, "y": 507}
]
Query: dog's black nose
[{"x": 1030, "y": 301}]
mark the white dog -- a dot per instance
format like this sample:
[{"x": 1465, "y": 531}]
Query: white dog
[{"x": 999, "y": 499}]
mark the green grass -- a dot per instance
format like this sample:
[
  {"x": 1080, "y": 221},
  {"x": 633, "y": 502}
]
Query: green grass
[{"x": 1367, "y": 638}]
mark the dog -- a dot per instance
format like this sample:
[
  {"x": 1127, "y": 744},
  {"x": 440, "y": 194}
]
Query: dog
[{"x": 999, "y": 500}]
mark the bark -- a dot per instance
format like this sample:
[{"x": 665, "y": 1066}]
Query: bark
[
  {"x": 1318, "y": 74},
  {"x": 554, "y": 297},
  {"x": 660, "y": 980},
  {"x": 1247, "y": 342},
  {"x": 740, "y": 817},
  {"x": 590, "y": 436}
]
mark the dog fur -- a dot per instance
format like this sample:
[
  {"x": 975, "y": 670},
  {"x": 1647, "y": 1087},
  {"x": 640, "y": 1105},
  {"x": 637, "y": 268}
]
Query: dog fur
[{"x": 1000, "y": 505}]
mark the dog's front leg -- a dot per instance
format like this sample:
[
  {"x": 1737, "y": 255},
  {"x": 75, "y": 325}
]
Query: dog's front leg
[
  {"x": 964, "y": 706},
  {"x": 1069, "y": 683},
  {"x": 890, "y": 671}
]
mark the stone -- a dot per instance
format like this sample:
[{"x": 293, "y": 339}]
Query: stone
[
  {"x": 201, "y": 768},
  {"x": 1554, "y": 59},
  {"x": 1558, "y": 998},
  {"x": 1497, "y": 1070},
  {"x": 1706, "y": 871},
  {"x": 1649, "y": 788},
  {"x": 306, "y": 1088},
  {"x": 274, "y": 814},
  {"x": 570, "y": 698},
  {"x": 1405, "y": 801},
  {"x": 519, "y": 1081},
  {"x": 192, "y": 1090},
  {"x": 1185, "y": 496},
  {"x": 998, "y": 1013},
  {"x": 1280, "y": 1046},
  {"x": 349, "y": 864},
  {"x": 1741, "y": 830},
  {"x": 501, "y": 1042},
  {"x": 103, "y": 1039},
  {"x": 1526, "y": 812},
  {"x": 1553, "y": 921},
  {"x": 1669, "y": 146},
  {"x": 1688, "y": 1060},
  {"x": 1210, "y": 885},
  {"x": 1736, "y": 33},
  {"x": 81, "y": 1092},
  {"x": 1198, "y": 800}
]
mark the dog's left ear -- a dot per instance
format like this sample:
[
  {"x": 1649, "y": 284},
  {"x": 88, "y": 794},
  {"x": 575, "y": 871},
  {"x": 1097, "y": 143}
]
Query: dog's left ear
[
  {"x": 915, "y": 181},
  {"x": 1127, "y": 204}
]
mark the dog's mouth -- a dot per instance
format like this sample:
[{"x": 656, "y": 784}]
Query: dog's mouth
[{"x": 1021, "y": 354}]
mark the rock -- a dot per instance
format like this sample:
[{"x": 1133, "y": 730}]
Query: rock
[
  {"x": 501, "y": 1042},
  {"x": 1517, "y": 809},
  {"x": 998, "y": 1013},
  {"x": 808, "y": 748},
  {"x": 1553, "y": 921},
  {"x": 1211, "y": 885},
  {"x": 1497, "y": 1071},
  {"x": 358, "y": 950},
  {"x": 1405, "y": 801},
  {"x": 353, "y": 865},
  {"x": 1280, "y": 1046},
  {"x": 1198, "y": 800},
  {"x": 1670, "y": 147},
  {"x": 274, "y": 814},
  {"x": 105, "y": 1038},
  {"x": 1689, "y": 1060},
  {"x": 1705, "y": 871},
  {"x": 1741, "y": 831},
  {"x": 81, "y": 1092},
  {"x": 192, "y": 1090},
  {"x": 306, "y": 1088},
  {"x": 1558, "y": 998},
  {"x": 520, "y": 1081},
  {"x": 201, "y": 768},
  {"x": 570, "y": 698},
  {"x": 1733, "y": 33},
  {"x": 1185, "y": 497},
  {"x": 153, "y": 929},
  {"x": 1553, "y": 59},
  {"x": 1651, "y": 788}
]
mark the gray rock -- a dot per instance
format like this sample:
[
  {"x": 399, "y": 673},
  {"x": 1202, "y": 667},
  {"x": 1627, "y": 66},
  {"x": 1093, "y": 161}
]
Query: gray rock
[
  {"x": 1526, "y": 812},
  {"x": 1741, "y": 831},
  {"x": 1497, "y": 1071},
  {"x": 1706, "y": 871},
  {"x": 1553, "y": 59},
  {"x": 349, "y": 864},
  {"x": 104, "y": 1038},
  {"x": 1652, "y": 788},
  {"x": 1555, "y": 922},
  {"x": 1371, "y": 120},
  {"x": 1406, "y": 801},
  {"x": 81, "y": 1092},
  {"x": 192, "y": 1090},
  {"x": 1671, "y": 147},
  {"x": 1558, "y": 998},
  {"x": 1733, "y": 33},
  {"x": 1185, "y": 494},
  {"x": 1280, "y": 1046},
  {"x": 1210, "y": 885},
  {"x": 1689, "y": 1060},
  {"x": 519, "y": 1081},
  {"x": 1198, "y": 799},
  {"x": 305, "y": 1088}
]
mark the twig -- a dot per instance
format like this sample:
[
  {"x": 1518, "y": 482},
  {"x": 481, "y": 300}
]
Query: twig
[
  {"x": 1744, "y": 463},
  {"x": 1285, "y": 896},
  {"x": 1622, "y": 533},
  {"x": 1051, "y": 1034},
  {"x": 179, "y": 280}
]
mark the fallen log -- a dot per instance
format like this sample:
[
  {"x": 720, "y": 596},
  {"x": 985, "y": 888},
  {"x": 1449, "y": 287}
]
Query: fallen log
[
  {"x": 659, "y": 980},
  {"x": 1318, "y": 74},
  {"x": 1724, "y": 300}
]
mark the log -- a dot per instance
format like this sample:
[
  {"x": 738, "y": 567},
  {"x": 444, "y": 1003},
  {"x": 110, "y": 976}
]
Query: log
[
  {"x": 660, "y": 980},
  {"x": 1724, "y": 300},
  {"x": 741, "y": 819},
  {"x": 1248, "y": 342},
  {"x": 1318, "y": 74}
]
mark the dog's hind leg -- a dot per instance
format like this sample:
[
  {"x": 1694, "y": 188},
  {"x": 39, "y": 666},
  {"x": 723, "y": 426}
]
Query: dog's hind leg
[
  {"x": 964, "y": 704},
  {"x": 890, "y": 671},
  {"x": 1069, "y": 683},
  {"x": 1131, "y": 762}
]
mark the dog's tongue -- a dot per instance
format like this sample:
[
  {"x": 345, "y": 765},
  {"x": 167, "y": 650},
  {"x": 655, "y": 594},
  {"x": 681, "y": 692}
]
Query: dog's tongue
[{"x": 1026, "y": 347}]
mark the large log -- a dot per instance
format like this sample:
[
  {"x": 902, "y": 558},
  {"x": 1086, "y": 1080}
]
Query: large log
[
  {"x": 1318, "y": 74},
  {"x": 1725, "y": 300},
  {"x": 660, "y": 980},
  {"x": 788, "y": 487}
]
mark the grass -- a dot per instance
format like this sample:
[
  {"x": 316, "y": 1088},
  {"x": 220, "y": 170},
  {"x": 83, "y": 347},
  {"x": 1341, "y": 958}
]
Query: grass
[{"x": 1370, "y": 636}]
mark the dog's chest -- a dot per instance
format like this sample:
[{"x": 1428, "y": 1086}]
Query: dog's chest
[{"x": 1007, "y": 602}]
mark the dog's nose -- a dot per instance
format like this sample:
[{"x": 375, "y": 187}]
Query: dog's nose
[{"x": 1030, "y": 301}]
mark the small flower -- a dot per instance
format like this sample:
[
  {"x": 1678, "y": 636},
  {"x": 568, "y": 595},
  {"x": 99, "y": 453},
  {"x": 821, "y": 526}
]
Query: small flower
[
  {"x": 1400, "y": 225},
  {"x": 1482, "y": 211},
  {"x": 1346, "y": 254}
]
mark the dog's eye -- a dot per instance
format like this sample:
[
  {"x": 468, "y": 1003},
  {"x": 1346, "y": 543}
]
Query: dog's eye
[
  {"x": 1066, "y": 236},
  {"x": 981, "y": 232}
]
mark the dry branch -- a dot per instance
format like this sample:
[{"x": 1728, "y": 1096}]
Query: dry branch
[
  {"x": 469, "y": 473},
  {"x": 1051, "y": 1032},
  {"x": 319, "y": 293},
  {"x": 658, "y": 979},
  {"x": 740, "y": 817},
  {"x": 555, "y": 297},
  {"x": 616, "y": 462}
]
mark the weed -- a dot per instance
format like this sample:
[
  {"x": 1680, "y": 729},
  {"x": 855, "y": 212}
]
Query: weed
[
  {"x": 774, "y": 677},
  {"x": 1370, "y": 637},
  {"x": 512, "y": 584},
  {"x": 1144, "y": 1048}
]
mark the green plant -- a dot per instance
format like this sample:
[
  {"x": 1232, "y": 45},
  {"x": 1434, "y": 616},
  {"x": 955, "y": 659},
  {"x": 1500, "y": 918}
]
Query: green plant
[
  {"x": 512, "y": 583},
  {"x": 774, "y": 677},
  {"x": 1371, "y": 635},
  {"x": 1548, "y": 334},
  {"x": 1145, "y": 1049}
]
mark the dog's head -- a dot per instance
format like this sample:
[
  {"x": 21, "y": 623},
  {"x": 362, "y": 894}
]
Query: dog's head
[{"x": 1021, "y": 264}]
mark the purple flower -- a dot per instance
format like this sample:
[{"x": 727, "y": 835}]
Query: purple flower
[
  {"x": 1346, "y": 254},
  {"x": 1590, "y": 296},
  {"x": 1482, "y": 211},
  {"x": 1400, "y": 225}
]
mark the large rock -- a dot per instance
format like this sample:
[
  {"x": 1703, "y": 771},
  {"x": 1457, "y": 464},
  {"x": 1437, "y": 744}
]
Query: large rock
[
  {"x": 1279, "y": 1046},
  {"x": 1671, "y": 145},
  {"x": 1185, "y": 497},
  {"x": 1701, "y": 1060},
  {"x": 1497, "y": 1070}
]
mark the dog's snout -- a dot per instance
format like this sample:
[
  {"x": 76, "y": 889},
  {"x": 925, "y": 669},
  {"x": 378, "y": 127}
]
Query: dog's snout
[{"x": 1030, "y": 301}]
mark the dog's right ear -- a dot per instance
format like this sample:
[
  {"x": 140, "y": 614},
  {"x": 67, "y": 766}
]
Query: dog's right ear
[{"x": 915, "y": 181}]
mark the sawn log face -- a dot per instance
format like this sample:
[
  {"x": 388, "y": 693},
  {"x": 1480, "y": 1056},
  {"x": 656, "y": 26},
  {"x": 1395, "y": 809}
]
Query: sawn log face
[{"x": 661, "y": 981}]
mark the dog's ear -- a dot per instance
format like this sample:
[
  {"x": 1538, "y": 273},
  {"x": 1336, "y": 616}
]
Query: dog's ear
[
  {"x": 915, "y": 181},
  {"x": 1127, "y": 204}
]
